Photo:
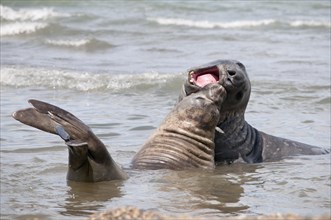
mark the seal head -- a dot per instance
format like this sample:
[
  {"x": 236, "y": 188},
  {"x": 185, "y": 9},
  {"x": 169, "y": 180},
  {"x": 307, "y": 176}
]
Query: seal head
[{"x": 231, "y": 74}]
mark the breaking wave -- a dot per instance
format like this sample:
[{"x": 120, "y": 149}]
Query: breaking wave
[
  {"x": 88, "y": 43},
  {"x": 70, "y": 43},
  {"x": 25, "y": 21},
  {"x": 310, "y": 23},
  {"x": 237, "y": 24},
  {"x": 63, "y": 79},
  {"x": 209, "y": 24},
  {"x": 21, "y": 28},
  {"x": 9, "y": 14}
]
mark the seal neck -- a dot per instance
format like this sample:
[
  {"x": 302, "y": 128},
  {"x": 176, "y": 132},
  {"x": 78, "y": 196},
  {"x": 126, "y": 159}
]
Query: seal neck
[{"x": 239, "y": 139}]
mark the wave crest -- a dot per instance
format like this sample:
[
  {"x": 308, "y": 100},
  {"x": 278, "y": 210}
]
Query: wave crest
[
  {"x": 55, "y": 79},
  {"x": 209, "y": 24},
  {"x": 10, "y": 14},
  {"x": 238, "y": 24},
  {"x": 21, "y": 28},
  {"x": 25, "y": 21},
  {"x": 310, "y": 23},
  {"x": 88, "y": 43}
]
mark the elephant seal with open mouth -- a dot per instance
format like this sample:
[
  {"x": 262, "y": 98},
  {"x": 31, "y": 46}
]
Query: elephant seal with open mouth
[
  {"x": 184, "y": 140},
  {"x": 239, "y": 140}
]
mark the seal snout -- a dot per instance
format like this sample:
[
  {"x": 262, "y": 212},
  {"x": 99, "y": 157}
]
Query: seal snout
[{"x": 215, "y": 92}]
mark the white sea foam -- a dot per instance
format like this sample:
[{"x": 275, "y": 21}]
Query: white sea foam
[
  {"x": 310, "y": 23},
  {"x": 30, "y": 14},
  {"x": 25, "y": 20},
  {"x": 237, "y": 24},
  {"x": 88, "y": 44},
  {"x": 69, "y": 43},
  {"x": 209, "y": 24},
  {"x": 26, "y": 27},
  {"x": 39, "y": 77}
]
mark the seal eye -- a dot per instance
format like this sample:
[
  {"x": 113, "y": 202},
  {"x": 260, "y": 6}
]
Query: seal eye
[
  {"x": 199, "y": 98},
  {"x": 239, "y": 95}
]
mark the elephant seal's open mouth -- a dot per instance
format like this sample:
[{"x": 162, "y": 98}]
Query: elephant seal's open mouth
[
  {"x": 230, "y": 74},
  {"x": 205, "y": 76}
]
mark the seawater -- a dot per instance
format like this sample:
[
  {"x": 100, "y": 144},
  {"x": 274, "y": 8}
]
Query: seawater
[{"x": 119, "y": 66}]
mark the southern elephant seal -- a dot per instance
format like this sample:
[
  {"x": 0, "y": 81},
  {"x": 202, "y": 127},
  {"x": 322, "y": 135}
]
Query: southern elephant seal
[
  {"x": 183, "y": 140},
  {"x": 239, "y": 139}
]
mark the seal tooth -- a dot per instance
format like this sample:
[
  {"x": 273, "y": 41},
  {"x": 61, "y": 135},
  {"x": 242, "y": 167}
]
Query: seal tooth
[
  {"x": 222, "y": 74},
  {"x": 191, "y": 76},
  {"x": 219, "y": 130}
]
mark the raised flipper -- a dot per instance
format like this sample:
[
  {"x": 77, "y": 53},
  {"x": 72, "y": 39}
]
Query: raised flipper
[{"x": 89, "y": 160}]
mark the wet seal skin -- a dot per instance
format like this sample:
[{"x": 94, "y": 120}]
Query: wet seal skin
[
  {"x": 184, "y": 140},
  {"x": 89, "y": 160},
  {"x": 238, "y": 140}
]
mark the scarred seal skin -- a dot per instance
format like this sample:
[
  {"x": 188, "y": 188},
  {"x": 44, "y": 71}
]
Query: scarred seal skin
[
  {"x": 239, "y": 140},
  {"x": 183, "y": 140}
]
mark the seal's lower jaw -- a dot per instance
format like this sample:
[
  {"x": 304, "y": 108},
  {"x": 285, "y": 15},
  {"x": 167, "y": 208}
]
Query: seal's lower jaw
[{"x": 205, "y": 76}]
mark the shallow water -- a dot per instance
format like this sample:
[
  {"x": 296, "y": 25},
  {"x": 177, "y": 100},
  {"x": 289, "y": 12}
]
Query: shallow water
[{"x": 119, "y": 67}]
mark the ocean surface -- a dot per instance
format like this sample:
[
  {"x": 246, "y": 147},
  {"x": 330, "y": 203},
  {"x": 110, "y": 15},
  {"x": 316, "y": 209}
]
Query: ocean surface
[{"x": 119, "y": 66}]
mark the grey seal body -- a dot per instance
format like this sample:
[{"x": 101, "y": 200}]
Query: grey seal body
[
  {"x": 239, "y": 140},
  {"x": 185, "y": 139}
]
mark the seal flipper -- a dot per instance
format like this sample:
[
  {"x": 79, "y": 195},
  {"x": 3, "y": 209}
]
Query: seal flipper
[
  {"x": 33, "y": 118},
  {"x": 89, "y": 160}
]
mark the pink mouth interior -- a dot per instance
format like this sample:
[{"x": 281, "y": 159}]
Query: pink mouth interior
[{"x": 206, "y": 76}]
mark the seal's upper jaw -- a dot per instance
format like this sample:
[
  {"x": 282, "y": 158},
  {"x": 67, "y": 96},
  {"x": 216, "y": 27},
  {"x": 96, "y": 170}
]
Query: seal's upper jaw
[{"x": 204, "y": 76}]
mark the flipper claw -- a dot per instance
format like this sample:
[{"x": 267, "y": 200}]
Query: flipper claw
[{"x": 62, "y": 133}]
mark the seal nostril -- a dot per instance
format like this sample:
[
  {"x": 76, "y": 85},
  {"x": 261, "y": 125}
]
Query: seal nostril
[{"x": 231, "y": 72}]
